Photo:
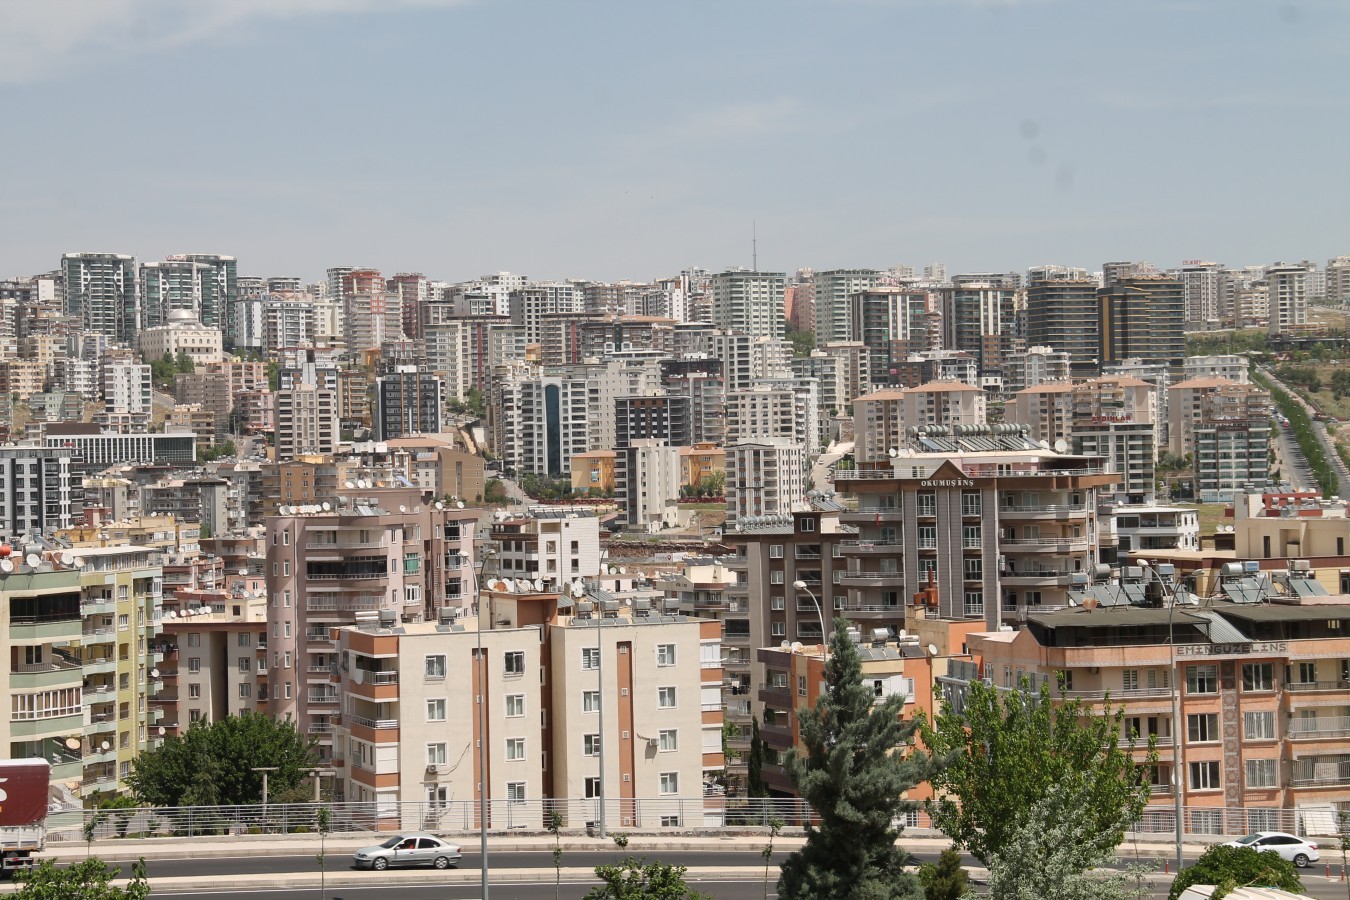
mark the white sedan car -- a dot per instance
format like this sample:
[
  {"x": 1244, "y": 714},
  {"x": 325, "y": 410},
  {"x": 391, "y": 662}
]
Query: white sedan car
[{"x": 1299, "y": 851}]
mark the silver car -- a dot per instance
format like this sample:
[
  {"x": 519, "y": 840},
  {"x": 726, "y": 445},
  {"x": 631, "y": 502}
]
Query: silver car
[{"x": 415, "y": 849}]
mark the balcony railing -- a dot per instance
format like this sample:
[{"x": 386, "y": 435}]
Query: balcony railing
[
  {"x": 1319, "y": 726},
  {"x": 376, "y": 724},
  {"x": 1318, "y": 685}
]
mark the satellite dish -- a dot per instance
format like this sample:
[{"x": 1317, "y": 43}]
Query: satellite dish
[
  {"x": 622, "y": 570},
  {"x": 104, "y": 746},
  {"x": 154, "y": 673},
  {"x": 6, "y": 566},
  {"x": 539, "y": 584},
  {"x": 72, "y": 743},
  {"x": 403, "y": 509},
  {"x": 349, "y": 485},
  {"x": 893, "y": 453},
  {"x": 284, "y": 510},
  {"x": 904, "y": 633},
  {"x": 326, "y": 506},
  {"x": 785, "y": 645},
  {"x": 796, "y": 646},
  {"x": 79, "y": 562},
  {"x": 1061, "y": 446},
  {"x": 459, "y": 503},
  {"x": 161, "y": 731},
  {"x": 33, "y": 560},
  {"x": 67, "y": 558},
  {"x": 932, "y": 649},
  {"x": 440, "y": 505},
  {"x": 578, "y": 589},
  {"x": 498, "y": 586}
]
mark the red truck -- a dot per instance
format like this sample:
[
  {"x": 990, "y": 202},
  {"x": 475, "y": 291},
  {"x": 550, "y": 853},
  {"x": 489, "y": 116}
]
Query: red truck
[{"x": 23, "y": 811}]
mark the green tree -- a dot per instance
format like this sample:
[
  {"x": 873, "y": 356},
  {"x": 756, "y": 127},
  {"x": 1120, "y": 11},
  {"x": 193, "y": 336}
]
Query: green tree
[
  {"x": 858, "y": 762},
  {"x": 775, "y": 828},
  {"x": 1233, "y": 867},
  {"x": 945, "y": 879},
  {"x": 184, "y": 363},
  {"x": 754, "y": 764},
  {"x": 555, "y": 822},
  {"x": 211, "y": 764},
  {"x": 1053, "y": 853},
  {"x": 273, "y": 375},
  {"x": 803, "y": 342},
  {"x": 89, "y": 879},
  {"x": 324, "y": 825},
  {"x": 1005, "y": 749},
  {"x": 637, "y": 879}
]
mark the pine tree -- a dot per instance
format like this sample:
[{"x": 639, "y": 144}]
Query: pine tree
[
  {"x": 754, "y": 776},
  {"x": 945, "y": 879},
  {"x": 858, "y": 761}
]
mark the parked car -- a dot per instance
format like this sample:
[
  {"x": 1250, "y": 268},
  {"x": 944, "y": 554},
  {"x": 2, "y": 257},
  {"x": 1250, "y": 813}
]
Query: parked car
[
  {"x": 1299, "y": 851},
  {"x": 415, "y": 849}
]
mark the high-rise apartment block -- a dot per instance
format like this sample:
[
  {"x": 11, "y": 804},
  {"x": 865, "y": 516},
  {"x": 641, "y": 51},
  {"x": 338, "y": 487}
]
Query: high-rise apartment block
[
  {"x": 103, "y": 291},
  {"x": 1062, "y": 313},
  {"x": 1287, "y": 293},
  {"x": 831, "y": 291},
  {"x": 1141, "y": 318},
  {"x": 407, "y": 401},
  {"x": 749, "y": 302}
]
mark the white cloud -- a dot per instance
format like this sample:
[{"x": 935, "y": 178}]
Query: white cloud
[{"x": 45, "y": 37}]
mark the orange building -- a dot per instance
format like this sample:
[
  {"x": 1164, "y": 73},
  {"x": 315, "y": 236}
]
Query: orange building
[{"x": 593, "y": 471}]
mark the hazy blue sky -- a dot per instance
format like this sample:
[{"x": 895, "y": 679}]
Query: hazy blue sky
[{"x": 614, "y": 139}]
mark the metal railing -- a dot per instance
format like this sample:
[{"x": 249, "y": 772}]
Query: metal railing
[
  {"x": 712, "y": 812},
  {"x": 1316, "y": 726}
]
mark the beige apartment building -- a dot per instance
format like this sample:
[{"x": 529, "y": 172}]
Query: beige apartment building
[
  {"x": 382, "y": 550},
  {"x": 409, "y": 731},
  {"x": 881, "y": 417}
]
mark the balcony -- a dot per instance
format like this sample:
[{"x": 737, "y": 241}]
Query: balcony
[
  {"x": 99, "y": 695},
  {"x": 58, "y": 671},
  {"x": 42, "y": 630},
  {"x": 884, "y": 548},
  {"x": 1318, "y": 727},
  {"x": 322, "y": 698},
  {"x": 873, "y": 514},
  {"x": 374, "y": 724},
  {"x": 1045, "y": 545},
  {"x": 873, "y": 610},
  {"x": 98, "y": 606},
  {"x": 872, "y": 579},
  {"x": 372, "y": 676},
  {"x": 319, "y": 637},
  {"x": 1054, "y": 511},
  {"x": 1310, "y": 686},
  {"x": 780, "y": 697},
  {"x": 1034, "y": 578}
]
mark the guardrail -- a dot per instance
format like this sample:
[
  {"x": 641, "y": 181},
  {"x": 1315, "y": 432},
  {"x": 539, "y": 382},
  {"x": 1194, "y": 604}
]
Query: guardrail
[{"x": 711, "y": 812}]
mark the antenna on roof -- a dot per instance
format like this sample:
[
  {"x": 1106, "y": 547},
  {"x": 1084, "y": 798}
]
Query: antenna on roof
[{"x": 754, "y": 245}]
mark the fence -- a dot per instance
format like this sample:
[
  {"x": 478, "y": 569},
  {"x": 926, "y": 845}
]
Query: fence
[{"x": 711, "y": 813}]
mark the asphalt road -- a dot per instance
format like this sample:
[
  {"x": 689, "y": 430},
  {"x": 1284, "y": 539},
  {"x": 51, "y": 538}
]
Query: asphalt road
[{"x": 722, "y": 890}]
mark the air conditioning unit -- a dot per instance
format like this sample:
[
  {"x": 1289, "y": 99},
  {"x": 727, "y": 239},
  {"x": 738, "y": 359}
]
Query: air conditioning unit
[
  {"x": 653, "y": 743},
  {"x": 988, "y": 682},
  {"x": 433, "y": 769}
]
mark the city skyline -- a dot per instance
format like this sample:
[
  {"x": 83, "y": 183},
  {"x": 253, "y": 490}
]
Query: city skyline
[{"x": 625, "y": 143}]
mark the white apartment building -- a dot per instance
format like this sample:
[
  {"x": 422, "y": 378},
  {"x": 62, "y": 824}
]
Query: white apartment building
[
  {"x": 549, "y": 545},
  {"x": 764, "y": 477},
  {"x": 287, "y": 321},
  {"x": 1201, "y": 290},
  {"x": 1287, "y": 293},
  {"x": 1034, "y": 366},
  {"x": 370, "y": 320},
  {"x": 832, "y": 290},
  {"x": 127, "y": 395},
  {"x": 1338, "y": 279},
  {"x": 307, "y": 422},
  {"x": 785, "y": 409},
  {"x": 530, "y": 303},
  {"x": 34, "y": 490},
  {"x": 1229, "y": 366},
  {"x": 411, "y": 731},
  {"x": 749, "y": 302}
]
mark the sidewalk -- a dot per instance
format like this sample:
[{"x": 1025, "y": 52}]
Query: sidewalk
[{"x": 751, "y": 842}]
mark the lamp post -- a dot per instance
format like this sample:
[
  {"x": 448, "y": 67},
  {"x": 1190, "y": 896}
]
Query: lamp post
[
  {"x": 820, "y": 614},
  {"x": 486, "y": 554},
  {"x": 1178, "y": 760}
]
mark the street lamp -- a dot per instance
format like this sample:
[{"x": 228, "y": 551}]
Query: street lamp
[
  {"x": 820, "y": 615},
  {"x": 1178, "y": 761},
  {"x": 487, "y": 553}
]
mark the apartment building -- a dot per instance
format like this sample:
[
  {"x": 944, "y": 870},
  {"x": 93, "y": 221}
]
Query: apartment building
[
  {"x": 1062, "y": 313},
  {"x": 1034, "y": 366},
  {"x": 1287, "y": 296},
  {"x": 749, "y": 302},
  {"x": 1142, "y": 317},
  {"x": 307, "y": 422},
  {"x": 550, "y": 544},
  {"x": 35, "y": 490},
  {"x": 1225, "y": 428},
  {"x": 80, "y": 629},
  {"x": 410, "y": 729},
  {"x": 894, "y": 323},
  {"x": 831, "y": 290},
  {"x": 764, "y": 477},
  {"x": 390, "y": 550},
  {"x": 103, "y": 291},
  {"x": 998, "y": 522},
  {"x": 1261, "y": 688},
  {"x": 215, "y": 646},
  {"x": 881, "y": 417},
  {"x": 779, "y": 409},
  {"x": 408, "y": 401}
]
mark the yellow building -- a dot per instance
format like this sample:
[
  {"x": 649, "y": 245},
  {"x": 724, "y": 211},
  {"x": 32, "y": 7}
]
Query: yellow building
[
  {"x": 703, "y": 460},
  {"x": 593, "y": 471}
]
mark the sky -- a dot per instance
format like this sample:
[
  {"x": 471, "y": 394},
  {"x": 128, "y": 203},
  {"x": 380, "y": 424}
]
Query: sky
[{"x": 612, "y": 139}]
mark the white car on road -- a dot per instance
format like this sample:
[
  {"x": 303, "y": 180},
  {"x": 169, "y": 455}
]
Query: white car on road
[{"x": 1299, "y": 851}]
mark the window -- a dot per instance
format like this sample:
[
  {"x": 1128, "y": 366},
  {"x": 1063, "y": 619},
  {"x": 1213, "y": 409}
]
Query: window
[
  {"x": 1262, "y": 773},
  {"x": 1258, "y": 677},
  {"x": 776, "y": 603},
  {"x": 194, "y": 639},
  {"x": 590, "y": 744},
  {"x": 670, "y": 782},
  {"x": 245, "y": 664},
  {"x": 971, "y": 537},
  {"x": 515, "y": 791},
  {"x": 245, "y": 639},
  {"x": 515, "y": 748},
  {"x": 435, "y": 754},
  {"x": 194, "y": 664},
  {"x": 779, "y": 629},
  {"x": 194, "y": 692},
  {"x": 801, "y": 685},
  {"x": 668, "y": 739},
  {"x": 590, "y": 657},
  {"x": 808, "y": 524},
  {"x": 665, "y": 654},
  {"x": 970, "y": 503},
  {"x": 776, "y": 576},
  {"x": 592, "y": 788},
  {"x": 590, "y": 701},
  {"x": 436, "y": 710},
  {"x": 286, "y": 658},
  {"x": 665, "y": 698},
  {"x": 927, "y": 537},
  {"x": 775, "y": 551},
  {"x": 1202, "y": 679},
  {"x": 435, "y": 667},
  {"x": 974, "y": 568},
  {"x": 245, "y": 691},
  {"x": 515, "y": 705},
  {"x": 1205, "y": 776},
  {"x": 927, "y": 503},
  {"x": 1129, "y": 679},
  {"x": 1202, "y": 728},
  {"x": 1258, "y": 726},
  {"x": 515, "y": 662}
]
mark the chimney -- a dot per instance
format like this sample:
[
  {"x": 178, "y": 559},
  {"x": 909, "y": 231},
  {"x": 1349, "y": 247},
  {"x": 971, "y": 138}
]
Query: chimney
[{"x": 928, "y": 596}]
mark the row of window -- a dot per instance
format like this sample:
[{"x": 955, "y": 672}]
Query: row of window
[{"x": 515, "y": 704}]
